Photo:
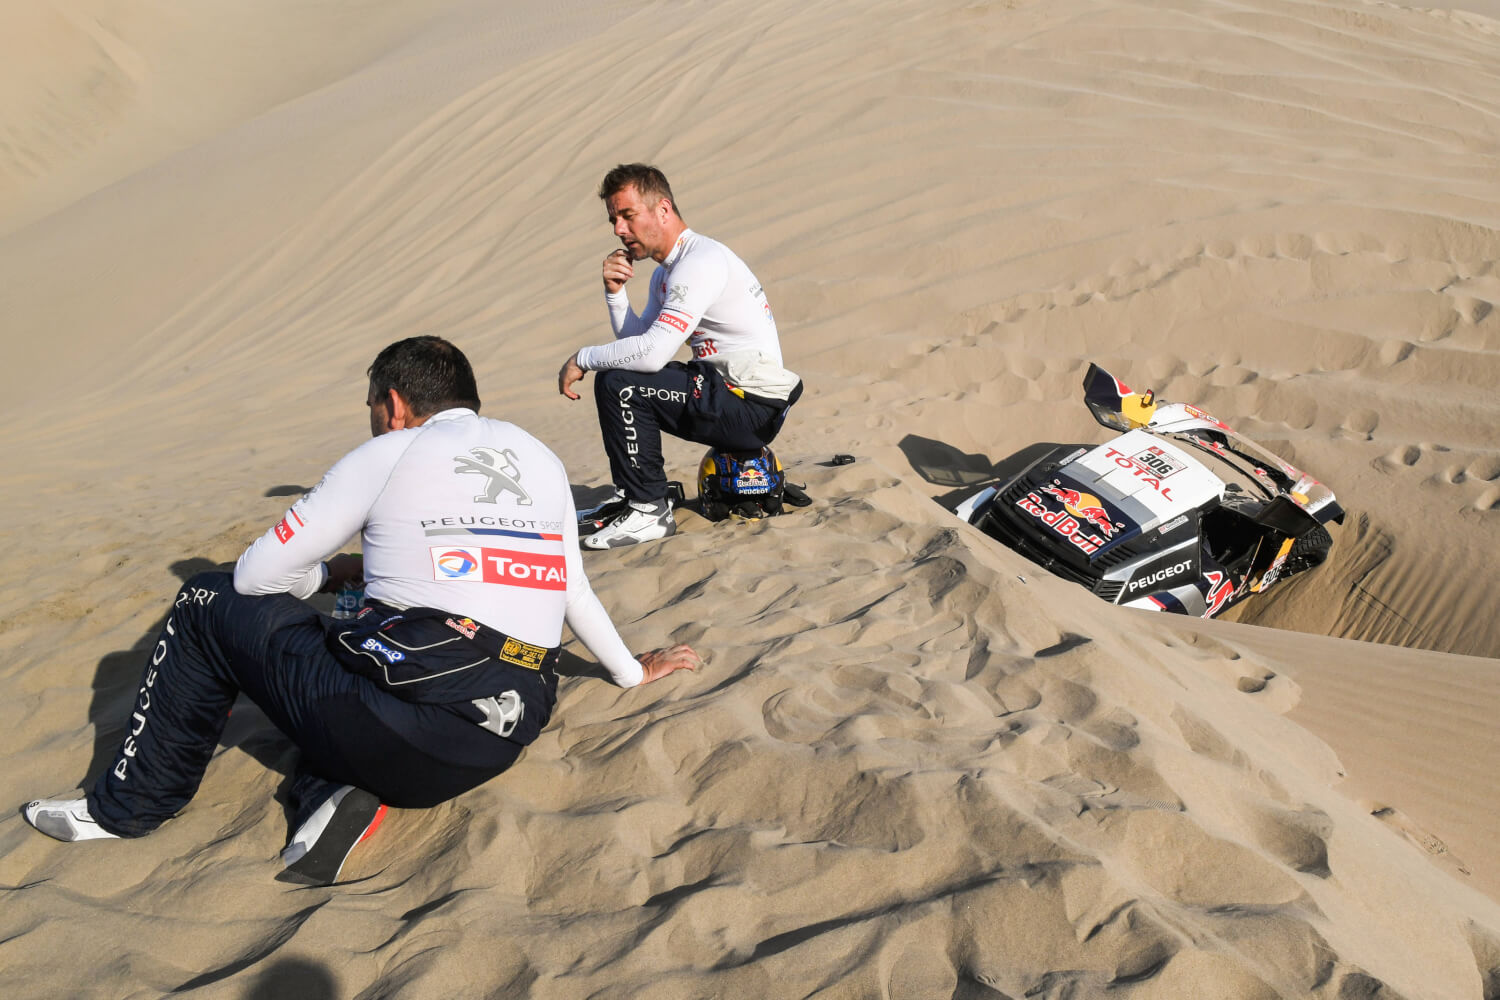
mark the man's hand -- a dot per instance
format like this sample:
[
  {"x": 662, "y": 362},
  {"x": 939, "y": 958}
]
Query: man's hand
[
  {"x": 567, "y": 375},
  {"x": 343, "y": 569},
  {"x": 660, "y": 662},
  {"x": 617, "y": 271}
]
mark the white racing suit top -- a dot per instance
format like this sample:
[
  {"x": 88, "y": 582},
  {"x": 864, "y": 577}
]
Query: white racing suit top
[
  {"x": 470, "y": 515},
  {"x": 705, "y": 295}
]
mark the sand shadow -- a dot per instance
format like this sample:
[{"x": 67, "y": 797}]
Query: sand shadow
[
  {"x": 294, "y": 979},
  {"x": 942, "y": 464},
  {"x": 571, "y": 665},
  {"x": 288, "y": 490},
  {"x": 284, "y": 979},
  {"x": 585, "y": 497}
]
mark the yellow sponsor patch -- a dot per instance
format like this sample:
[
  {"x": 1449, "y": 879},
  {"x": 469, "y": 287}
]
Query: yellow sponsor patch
[{"x": 523, "y": 654}]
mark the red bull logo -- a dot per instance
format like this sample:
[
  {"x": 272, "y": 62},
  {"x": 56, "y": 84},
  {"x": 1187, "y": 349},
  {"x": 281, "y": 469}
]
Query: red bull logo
[
  {"x": 1084, "y": 506},
  {"x": 1062, "y": 522}
]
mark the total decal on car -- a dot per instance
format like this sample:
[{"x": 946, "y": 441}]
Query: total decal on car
[{"x": 1177, "y": 513}]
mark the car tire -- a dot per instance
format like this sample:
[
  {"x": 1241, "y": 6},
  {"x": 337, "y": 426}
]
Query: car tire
[{"x": 1308, "y": 552}]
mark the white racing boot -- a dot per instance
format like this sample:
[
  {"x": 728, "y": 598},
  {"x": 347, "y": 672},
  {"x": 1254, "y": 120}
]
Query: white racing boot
[
  {"x": 65, "y": 819},
  {"x": 640, "y": 522}
]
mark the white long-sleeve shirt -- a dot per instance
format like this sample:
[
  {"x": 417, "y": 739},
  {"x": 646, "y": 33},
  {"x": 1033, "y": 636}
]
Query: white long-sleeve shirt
[
  {"x": 705, "y": 295},
  {"x": 467, "y": 514}
]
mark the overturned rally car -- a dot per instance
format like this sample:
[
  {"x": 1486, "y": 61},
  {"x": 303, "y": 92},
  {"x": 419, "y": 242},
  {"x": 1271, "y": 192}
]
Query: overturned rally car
[{"x": 1178, "y": 513}]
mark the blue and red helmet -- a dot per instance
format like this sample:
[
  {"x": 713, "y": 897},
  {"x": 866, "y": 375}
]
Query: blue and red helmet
[{"x": 747, "y": 483}]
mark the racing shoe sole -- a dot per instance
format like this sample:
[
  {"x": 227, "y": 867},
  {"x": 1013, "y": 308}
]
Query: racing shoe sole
[{"x": 321, "y": 846}]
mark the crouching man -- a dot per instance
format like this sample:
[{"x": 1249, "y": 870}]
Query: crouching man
[
  {"x": 470, "y": 565},
  {"x": 733, "y": 395}
]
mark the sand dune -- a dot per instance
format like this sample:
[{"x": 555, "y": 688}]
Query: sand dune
[{"x": 915, "y": 766}]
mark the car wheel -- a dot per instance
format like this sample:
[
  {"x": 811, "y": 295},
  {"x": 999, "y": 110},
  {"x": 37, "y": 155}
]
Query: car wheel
[{"x": 1307, "y": 552}]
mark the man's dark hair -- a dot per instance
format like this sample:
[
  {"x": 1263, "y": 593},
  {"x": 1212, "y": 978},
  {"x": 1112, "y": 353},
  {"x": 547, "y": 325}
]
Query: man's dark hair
[
  {"x": 650, "y": 183},
  {"x": 430, "y": 374}
]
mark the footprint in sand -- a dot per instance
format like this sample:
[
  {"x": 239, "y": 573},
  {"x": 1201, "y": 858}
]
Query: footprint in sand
[
  {"x": 1402, "y": 455},
  {"x": 1263, "y": 246},
  {"x": 1393, "y": 352},
  {"x": 1220, "y": 249},
  {"x": 1226, "y": 376},
  {"x": 1399, "y": 821},
  {"x": 1486, "y": 469},
  {"x": 1204, "y": 740},
  {"x": 1291, "y": 407},
  {"x": 1298, "y": 838},
  {"x": 1471, "y": 310},
  {"x": 1256, "y": 683},
  {"x": 1294, "y": 246},
  {"x": 1440, "y": 324},
  {"x": 1117, "y": 730},
  {"x": 1361, "y": 424}
]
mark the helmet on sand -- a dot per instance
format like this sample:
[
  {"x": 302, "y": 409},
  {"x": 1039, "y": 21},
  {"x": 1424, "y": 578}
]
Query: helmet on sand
[{"x": 746, "y": 483}]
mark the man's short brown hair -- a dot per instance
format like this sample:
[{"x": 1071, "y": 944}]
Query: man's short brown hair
[
  {"x": 429, "y": 373},
  {"x": 650, "y": 183}
]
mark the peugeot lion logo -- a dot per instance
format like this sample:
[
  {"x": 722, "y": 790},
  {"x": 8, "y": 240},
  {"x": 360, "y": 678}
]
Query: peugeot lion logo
[{"x": 500, "y": 468}]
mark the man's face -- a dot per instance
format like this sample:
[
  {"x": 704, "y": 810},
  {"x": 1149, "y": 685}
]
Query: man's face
[
  {"x": 641, "y": 228},
  {"x": 380, "y": 412}
]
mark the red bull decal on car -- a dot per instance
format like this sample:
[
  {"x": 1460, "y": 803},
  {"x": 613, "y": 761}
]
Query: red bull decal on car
[
  {"x": 1061, "y": 521},
  {"x": 1084, "y": 506}
]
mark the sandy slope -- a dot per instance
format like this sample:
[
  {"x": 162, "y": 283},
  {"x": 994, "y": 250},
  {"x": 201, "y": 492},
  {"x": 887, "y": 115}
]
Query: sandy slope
[{"x": 914, "y": 767}]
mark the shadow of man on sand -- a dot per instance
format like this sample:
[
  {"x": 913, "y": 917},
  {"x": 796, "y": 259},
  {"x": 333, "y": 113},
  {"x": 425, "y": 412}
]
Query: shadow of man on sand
[
  {"x": 294, "y": 979},
  {"x": 283, "y": 979}
]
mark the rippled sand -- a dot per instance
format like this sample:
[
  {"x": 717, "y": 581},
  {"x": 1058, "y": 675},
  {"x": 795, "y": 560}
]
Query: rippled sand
[{"x": 915, "y": 765}]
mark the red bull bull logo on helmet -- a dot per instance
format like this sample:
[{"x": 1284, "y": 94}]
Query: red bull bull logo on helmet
[
  {"x": 1084, "y": 506},
  {"x": 751, "y": 480}
]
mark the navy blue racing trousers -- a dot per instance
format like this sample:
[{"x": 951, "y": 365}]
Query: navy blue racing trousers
[
  {"x": 689, "y": 401},
  {"x": 218, "y": 643}
]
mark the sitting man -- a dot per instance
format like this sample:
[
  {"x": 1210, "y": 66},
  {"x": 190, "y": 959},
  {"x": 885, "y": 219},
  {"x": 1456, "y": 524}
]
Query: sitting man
[
  {"x": 471, "y": 566},
  {"x": 733, "y": 395}
]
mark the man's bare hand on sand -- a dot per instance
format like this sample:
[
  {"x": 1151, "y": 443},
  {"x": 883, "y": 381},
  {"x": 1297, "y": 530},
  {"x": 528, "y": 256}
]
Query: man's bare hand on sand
[{"x": 660, "y": 662}]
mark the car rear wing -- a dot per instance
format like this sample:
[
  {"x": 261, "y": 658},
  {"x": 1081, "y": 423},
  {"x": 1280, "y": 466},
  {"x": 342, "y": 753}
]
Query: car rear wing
[{"x": 1117, "y": 407}]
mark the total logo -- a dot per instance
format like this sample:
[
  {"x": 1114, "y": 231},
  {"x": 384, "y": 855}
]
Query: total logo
[
  {"x": 455, "y": 564},
  {"x": 532, "y": 570},
  {"x": 1084, "y": 506}
]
